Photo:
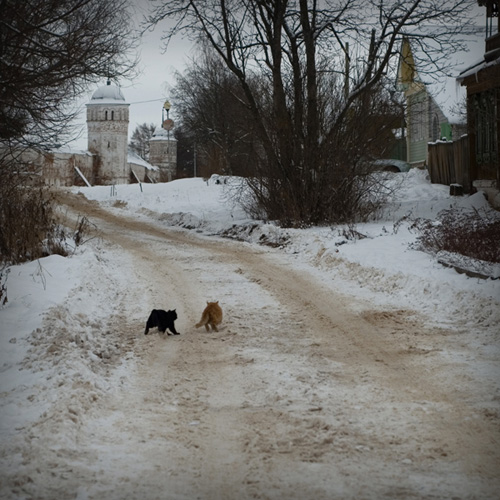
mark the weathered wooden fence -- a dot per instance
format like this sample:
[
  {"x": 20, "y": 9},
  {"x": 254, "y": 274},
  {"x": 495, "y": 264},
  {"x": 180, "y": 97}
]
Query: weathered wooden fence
[{"x": 449, "y": 163}]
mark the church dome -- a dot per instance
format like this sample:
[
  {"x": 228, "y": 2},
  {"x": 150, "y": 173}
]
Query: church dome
[
  {"x": 107, "y": 94},
  {"x": 160, "y": 134}
]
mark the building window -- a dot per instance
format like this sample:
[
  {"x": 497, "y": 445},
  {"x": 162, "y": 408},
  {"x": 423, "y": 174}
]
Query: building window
[
  {"x": 106, "y": 115},
  {"x": 112, "y": 115},
  {"x": 435, "y": 129},
  {"x": 485, "y": 112}
]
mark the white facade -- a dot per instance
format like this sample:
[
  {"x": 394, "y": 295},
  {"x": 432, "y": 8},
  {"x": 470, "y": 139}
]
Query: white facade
[
  {"x": 163, "y": 153},
  {"x": 107, "y": 160},
  {"x": 107, "y": 126}
]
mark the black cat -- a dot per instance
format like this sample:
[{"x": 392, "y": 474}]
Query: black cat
[{"x": 162, "y": 320}]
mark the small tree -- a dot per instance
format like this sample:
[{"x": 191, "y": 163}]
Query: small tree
[{"x": 139, "y": 143}]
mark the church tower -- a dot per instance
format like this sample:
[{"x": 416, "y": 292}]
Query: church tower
[
  {"x": 163, "y": 147},
  {"x": 107, "y": 126},
  {"x": 163, "y": 153}
]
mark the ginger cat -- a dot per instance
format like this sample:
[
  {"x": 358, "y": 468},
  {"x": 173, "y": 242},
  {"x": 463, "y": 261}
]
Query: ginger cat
[{"x": 212, "y": 316}]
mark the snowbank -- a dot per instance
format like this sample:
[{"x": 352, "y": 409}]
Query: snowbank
[{"x": 55, "y": 360}]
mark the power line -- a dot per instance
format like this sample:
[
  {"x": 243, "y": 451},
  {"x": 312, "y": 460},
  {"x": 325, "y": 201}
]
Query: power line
[{"x": 143, "y": 102}]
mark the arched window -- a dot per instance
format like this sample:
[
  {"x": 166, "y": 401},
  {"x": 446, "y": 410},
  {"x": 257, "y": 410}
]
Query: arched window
[
  {"x": 112, "y": 115},
  {"x": 106, "y": 115}
]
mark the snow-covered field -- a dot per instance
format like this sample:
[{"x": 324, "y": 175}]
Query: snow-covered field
[{"x": 48, "y": 382}]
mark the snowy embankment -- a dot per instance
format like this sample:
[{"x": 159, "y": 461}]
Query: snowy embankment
[
  {"x": 53, "y": 364},
  {"x": 52, "y": 380}
]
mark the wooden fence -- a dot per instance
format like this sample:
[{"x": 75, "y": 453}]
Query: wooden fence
[{"x": 449, "y": 163}]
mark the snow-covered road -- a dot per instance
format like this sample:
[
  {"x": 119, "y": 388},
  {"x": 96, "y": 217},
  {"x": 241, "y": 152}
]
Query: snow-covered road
[{"x": 304, "y": 392}]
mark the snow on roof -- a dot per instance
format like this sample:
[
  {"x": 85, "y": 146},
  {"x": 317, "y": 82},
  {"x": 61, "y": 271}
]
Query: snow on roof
[
  {"x": 137, "y": 160},
  {"x": 160, "y": 134},
  {"x": 475, "y": 68},
  {"x": 66, "y": 149},
  {"x": 108, "y": 94}
]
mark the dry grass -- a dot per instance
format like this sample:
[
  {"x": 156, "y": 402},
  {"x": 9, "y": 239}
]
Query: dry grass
[{"x": 473, "y": 233}]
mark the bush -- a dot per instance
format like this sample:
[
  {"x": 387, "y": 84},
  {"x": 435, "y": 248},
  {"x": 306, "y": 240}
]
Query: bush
[
  {"x": 472, "y": 233},
  {"x": 28, "y": 229}
]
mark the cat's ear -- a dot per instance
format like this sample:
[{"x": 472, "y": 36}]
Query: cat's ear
[{"x": 217, "y": 302}]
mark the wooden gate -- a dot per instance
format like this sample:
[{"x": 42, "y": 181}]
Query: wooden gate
[{"x": 449, "y": 162}]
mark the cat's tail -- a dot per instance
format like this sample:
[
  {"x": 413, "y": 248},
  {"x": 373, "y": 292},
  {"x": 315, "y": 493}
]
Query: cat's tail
[{"x": 203, "y": 321}]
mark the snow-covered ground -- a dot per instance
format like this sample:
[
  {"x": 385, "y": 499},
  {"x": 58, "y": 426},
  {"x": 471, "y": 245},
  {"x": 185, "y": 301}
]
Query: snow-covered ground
[
  {"x": 82, "y": 292},
  {"x": 383, "y": 261}
]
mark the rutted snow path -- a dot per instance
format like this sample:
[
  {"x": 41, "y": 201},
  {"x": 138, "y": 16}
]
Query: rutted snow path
[{"x": 302, "y": 394}]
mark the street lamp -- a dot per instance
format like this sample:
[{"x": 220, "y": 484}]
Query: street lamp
[
  {"x": 166, "y": 107},
  {"x": 167, "y": 125}
]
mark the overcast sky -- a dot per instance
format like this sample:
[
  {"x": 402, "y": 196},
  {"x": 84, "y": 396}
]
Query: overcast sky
[{"x": 147, "y": 93}]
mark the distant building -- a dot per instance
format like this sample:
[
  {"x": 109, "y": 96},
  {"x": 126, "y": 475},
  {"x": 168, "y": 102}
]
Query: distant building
[
  {"x": 425, "y": 121},
  {"x": 482, "y": 81},
  {"x": 163, "y": 153},
  {"x": 107, "y": 130},
  {"x": 107, "y": 160}
]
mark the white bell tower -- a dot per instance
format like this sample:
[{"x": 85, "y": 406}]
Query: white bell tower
[{"x": 107, "y": 128}]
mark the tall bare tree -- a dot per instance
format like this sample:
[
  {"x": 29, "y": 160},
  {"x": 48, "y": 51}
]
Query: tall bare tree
[
  {"x": 312, "y": 145},
  {"x": 212, "y": 112}
]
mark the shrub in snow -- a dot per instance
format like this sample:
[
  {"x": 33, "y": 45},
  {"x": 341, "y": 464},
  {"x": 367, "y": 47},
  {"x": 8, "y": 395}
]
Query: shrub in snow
[
  {"x": 28, "y": 229},
  {"x": 473, "y": 233},
  {"x": 83, "y": 230}
]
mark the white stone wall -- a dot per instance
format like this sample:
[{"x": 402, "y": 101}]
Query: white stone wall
[
  {"x": 163, "y": 154},
  {"x": 107, "y": 126},
  {"x": 59, "y": 168}
]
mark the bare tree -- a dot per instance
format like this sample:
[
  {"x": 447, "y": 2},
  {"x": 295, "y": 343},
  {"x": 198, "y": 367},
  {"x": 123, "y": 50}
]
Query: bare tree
[
  {"x": 50, "y": 51},
  {"x": 312, "y": 151},
  {"x": 139, "y": 142},
  {"x": 213, "y": 115}
]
